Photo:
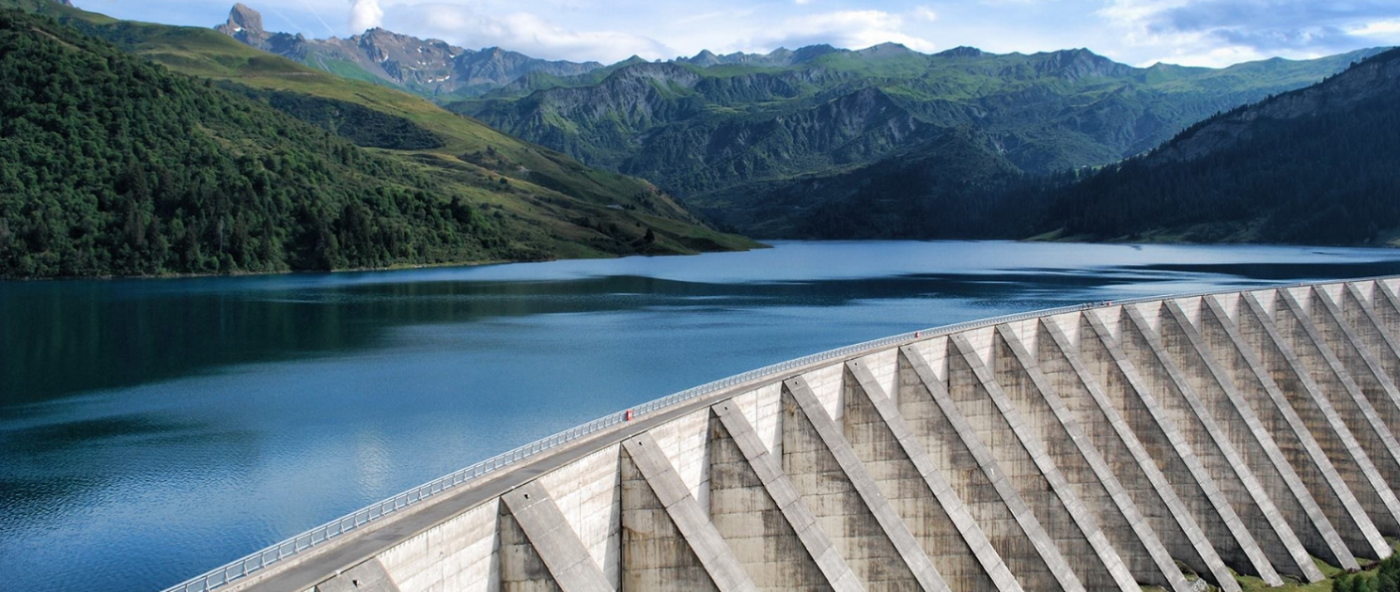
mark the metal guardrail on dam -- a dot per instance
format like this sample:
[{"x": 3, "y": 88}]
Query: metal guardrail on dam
[{"x": 316, "y": 538}]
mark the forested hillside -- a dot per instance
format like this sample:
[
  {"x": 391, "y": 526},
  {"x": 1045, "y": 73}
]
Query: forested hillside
[
  {"x": 111, "y": 165},
  {"x": 524, "y": 202},
  {"x": 1318, "y": 165}
]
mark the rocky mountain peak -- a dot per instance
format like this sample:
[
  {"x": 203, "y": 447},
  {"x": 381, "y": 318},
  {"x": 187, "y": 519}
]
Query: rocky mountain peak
[
  {"x": 425, "y": 66},
  {"x": 887, "y": 49},
  {"x": 962, "y": 51},
  {"x": 810, "y": 52},
  {"x": 246, "y": 25},
  {"x": 642, "y": 69},
  {"x": 1076, "y": 64},
  {"x": 380, "y": 35},
  {"x": 705, "y": 58},
  {"x": 244, "y": 19},
  {"x": 778, "y": 58}
]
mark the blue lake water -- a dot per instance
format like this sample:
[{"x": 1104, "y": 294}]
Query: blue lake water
[{"x": 153, "y": 429}]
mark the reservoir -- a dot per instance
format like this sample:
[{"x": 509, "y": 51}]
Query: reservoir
[{"x": 153, "y": 429}]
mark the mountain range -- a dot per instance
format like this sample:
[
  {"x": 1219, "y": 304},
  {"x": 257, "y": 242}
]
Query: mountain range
[
  {"x": 724, "y": 137},
  {"x": 764, "y": 143},
  {"x": 1311, "y": 166}
]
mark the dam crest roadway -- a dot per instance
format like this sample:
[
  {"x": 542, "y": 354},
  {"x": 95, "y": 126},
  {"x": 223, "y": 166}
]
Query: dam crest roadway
[{"x": 1167, "y": 443}]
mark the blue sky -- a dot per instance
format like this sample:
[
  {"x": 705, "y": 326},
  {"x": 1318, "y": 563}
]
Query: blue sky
[{"x": 1138, "y": 32}]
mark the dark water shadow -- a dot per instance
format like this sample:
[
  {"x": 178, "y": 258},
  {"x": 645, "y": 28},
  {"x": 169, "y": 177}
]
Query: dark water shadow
[
  {"x": 1277, "y": 272},
  {"x": 63, "y": 338}
]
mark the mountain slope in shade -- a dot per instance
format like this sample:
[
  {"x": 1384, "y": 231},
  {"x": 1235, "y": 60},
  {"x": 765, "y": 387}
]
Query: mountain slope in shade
[
  {"x": 953, "y": 186},
  {"x": 1317, "y": 165},
  {"x": 427, "y": 67}
]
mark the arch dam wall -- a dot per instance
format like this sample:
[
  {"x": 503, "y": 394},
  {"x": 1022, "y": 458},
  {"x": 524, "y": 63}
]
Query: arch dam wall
[{"x": 1172, "y": 444}]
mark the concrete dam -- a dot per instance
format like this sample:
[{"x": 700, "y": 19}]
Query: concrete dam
[{"x": 1182, "y": 443}]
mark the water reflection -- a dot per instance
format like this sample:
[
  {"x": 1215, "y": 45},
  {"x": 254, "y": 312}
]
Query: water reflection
[
  {"x": 70, "y": 337},
  {"x": 153, "y": 429}
]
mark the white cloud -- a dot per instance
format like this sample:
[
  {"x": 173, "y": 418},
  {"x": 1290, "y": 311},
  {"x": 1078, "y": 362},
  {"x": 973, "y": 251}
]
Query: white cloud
[
  {"x": 846, "y": 28},
  {"x": 1196, "y": 54},
  {"x": 1222, "y": 32},
  {"x": 525, "y": 32},
  {"x": 1200, "y": 32},
  {"x": 1387, "y": 28},
  {"x": 365, "y": 14}
]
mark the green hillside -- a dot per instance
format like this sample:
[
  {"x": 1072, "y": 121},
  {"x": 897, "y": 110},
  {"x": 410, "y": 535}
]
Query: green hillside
[
  {"x": 542, "y": 203},
  {"x": 114, "y": 166}
]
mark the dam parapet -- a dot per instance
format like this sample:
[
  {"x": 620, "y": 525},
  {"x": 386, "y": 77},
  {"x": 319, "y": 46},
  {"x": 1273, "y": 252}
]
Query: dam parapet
[{"x": 1171, "y": 442}]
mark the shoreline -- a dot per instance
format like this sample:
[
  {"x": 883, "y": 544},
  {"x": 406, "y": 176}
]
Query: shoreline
[
  {"x": 400, "y": 267},
  {"x": 1046, "y": 238}
]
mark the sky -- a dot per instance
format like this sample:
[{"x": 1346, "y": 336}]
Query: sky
[{"x": 1137, "y": 32}]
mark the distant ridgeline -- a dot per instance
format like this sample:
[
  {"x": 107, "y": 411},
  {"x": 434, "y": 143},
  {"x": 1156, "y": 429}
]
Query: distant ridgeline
[{"x": 240, "y": 161}]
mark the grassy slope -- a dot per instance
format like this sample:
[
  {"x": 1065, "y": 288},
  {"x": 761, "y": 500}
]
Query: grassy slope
[
  {"x": 1369, "y": 569},
  {"x": 549, "y": 201}
]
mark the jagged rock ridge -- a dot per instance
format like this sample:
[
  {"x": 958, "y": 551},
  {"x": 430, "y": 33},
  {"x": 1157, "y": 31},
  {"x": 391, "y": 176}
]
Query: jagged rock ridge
[{"x": 429, "y": 67}]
